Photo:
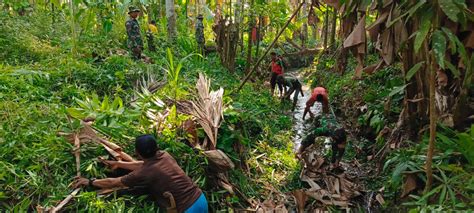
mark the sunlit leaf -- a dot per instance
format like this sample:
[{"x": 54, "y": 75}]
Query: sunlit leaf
[
  {"x": 423, "y": 31},
  {"x": 450, "y": 9},
  {"x": 439, "y": 47},
  {"x": 413, "y": 70},
  {"x": 397, "y": 90}
]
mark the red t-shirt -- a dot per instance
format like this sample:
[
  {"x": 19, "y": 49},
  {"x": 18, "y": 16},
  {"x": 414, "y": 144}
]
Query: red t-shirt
[
  {"x": 319, "y": 91},
  {"x": 254, "y": 34},
  {"x": 277, "y": 66}
]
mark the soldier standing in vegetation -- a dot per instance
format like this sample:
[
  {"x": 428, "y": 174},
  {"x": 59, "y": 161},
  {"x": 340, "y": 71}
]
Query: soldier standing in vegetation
[
  {"x": 277, "y": 67},
  {"x": 135, "y": 42},
  {"x": 157, "y": 175},
  {"x": 294, "y": 85},
  {"x": 150, "y": 35},
  {"x": 200, "y": 34}
]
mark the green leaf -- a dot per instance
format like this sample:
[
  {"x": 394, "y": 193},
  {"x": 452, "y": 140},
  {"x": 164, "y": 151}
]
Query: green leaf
[
  {"x": 423, "y": 31},
  {"x": 450, "y": 9},
  {"x": 105, "y": 103},
  {"x": 452, "y": 39},
  {"x": 439, "y": 47},
  {"x": 397, "y": 90},
  {"x": 76, "y": 113},
  {"x": 452, "y": 68},
  {"x": 413, "y": 70}
]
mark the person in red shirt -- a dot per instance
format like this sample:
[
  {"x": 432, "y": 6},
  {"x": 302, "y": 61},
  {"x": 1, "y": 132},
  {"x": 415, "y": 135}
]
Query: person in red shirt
[
  {"x": 278, "y": 69},
  {"x": 159, "y": 174},
  {"x": 320, "y": 95}
]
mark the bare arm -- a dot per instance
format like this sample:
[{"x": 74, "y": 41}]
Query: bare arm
[
  {"x": 130, "y": 165},
  {"x": 123, "y": 164},
  {"x": 106, "y": 183}
]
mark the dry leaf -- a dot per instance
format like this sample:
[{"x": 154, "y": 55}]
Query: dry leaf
[
  {"x": 441, "y": 78},
  {"x": 374, "y": 28},
  {"x": 469, "y": 41},
  {"x": 333, "y": 3},
  {"x": 301, "y": 198},
  {"x": 357, "y": 36},
  {"x": 312, "y": 184},
  {"x": 409, "y": 185},
  {"x": 380, "y": 199}
]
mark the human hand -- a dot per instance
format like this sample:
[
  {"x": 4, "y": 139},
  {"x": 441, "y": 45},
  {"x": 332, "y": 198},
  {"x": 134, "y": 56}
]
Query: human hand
[
  {"x": 112, "y": 164},
  {"x": 79, "y": 182}
]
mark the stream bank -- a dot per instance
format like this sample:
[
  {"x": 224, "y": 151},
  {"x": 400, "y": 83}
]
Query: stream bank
[{"x": 325, "y": 189}]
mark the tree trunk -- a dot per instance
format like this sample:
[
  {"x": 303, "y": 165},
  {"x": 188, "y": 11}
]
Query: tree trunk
[
  {"x": 73, "y": 27},
  {"x": 171, "y": 18},
  {"x": 333, "y": 27},
  {"x": 326, "y": 28},
  {"x": 249, "y": 42},
  {"x": 259, "y": 33}
]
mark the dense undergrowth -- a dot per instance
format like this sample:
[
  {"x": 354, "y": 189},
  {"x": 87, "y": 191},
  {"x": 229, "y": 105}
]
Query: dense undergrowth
[
  {"x": 42, "y": 82},
  {"x": 368, "y": 107}
]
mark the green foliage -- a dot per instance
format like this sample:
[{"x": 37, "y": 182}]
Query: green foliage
[
  {"x": 439, "y": 47},
  {"x": 413, "y": 70},
  {"x": 424, "y": 29},
  {"x": 453, "y": 185}
]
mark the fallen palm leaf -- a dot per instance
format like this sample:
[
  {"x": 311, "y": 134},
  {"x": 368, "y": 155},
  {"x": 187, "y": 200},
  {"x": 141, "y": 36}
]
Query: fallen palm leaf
[
  {"x": 207, "y": 109},
  {"x": 301, "y": 198}
]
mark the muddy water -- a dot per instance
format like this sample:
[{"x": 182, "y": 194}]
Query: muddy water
[{"x": 300, "y": 125}]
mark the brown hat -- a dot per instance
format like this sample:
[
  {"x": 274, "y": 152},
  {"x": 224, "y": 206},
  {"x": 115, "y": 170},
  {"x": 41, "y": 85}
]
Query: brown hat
[
  {"x": 200, "y": 16},
  {"x": 133, "y": 9}
]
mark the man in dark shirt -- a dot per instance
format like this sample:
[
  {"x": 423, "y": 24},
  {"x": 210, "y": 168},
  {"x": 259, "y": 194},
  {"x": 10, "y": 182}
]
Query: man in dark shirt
[
  {"x": 158, "y": 174},
  {"x": 293, "y": 84}
]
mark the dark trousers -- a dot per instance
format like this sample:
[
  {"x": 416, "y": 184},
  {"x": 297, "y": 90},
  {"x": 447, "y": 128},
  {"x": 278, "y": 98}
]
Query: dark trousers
[
  {"x": 273, "y": 82},
  {"x": 337, "y": 153},
  {"x": 297, "y": 88}
]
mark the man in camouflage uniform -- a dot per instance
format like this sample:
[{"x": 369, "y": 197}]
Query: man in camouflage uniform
[
  {"x": 135, "y": 42},
  {"x": 200, "y": 34},
  {"x": 327, "y": 126}
]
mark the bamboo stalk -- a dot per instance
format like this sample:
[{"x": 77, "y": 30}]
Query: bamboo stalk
[
  {"x": 269, "y": 48},
  {"x": 432, "y": 78},
  {"x": 65, "y": 201}
]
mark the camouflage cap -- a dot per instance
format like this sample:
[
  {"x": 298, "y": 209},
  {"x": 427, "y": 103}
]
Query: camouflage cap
[{"x": 133, "y": 9}]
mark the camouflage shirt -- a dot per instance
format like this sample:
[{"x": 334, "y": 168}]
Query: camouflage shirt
[
  {"x": 199, "y": 32},
  {"x": 325, "y": 126},
  {"x": 133, "y": 32}
]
